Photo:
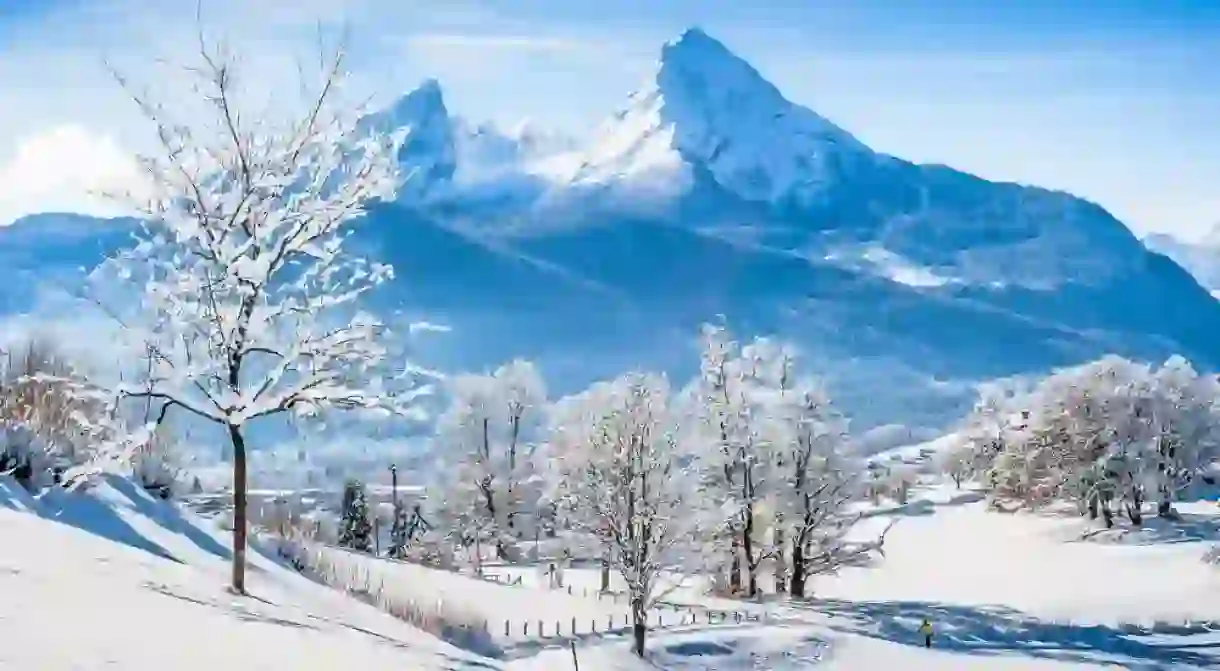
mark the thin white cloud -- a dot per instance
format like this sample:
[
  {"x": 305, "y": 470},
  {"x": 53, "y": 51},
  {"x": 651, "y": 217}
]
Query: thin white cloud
[
  {"x": 497, "y": 43},
  {"x": 65, "y": 168}
]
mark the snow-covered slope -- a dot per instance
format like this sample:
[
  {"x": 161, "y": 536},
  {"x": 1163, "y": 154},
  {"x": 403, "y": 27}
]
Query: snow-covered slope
[{"x": 114, "y": 579}]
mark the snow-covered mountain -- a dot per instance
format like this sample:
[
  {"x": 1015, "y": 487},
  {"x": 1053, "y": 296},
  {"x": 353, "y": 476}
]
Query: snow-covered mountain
[
  {"x": 709, "y": 193},
  {"x": 1201, "y": 258}
]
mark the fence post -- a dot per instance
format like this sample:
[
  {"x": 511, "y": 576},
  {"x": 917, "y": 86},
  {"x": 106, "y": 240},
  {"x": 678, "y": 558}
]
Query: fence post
[
  {"x": 610, "y": 620},
  {"x": 506, "y": 634},
  {"x": 573, "y": 626},
  {"x": 525, "y": 628},
  {"x": 541, "y": 631}
]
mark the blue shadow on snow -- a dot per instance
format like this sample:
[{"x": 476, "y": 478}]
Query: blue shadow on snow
[{"x": 984, "y": 630}]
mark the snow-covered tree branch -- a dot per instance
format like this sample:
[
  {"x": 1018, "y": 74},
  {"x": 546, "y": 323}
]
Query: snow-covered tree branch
[
  {"x": 624, "y": 468},
  {"x": 1108, "y": 436},
  {"x": 488, "y": 434},
  {"x": 249, "y": 294}
]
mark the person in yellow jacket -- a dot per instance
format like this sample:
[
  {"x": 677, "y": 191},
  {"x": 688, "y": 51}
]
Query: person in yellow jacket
[{"x": 925, "y": 629}]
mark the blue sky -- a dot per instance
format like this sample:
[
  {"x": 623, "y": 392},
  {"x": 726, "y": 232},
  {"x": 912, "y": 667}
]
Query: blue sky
[{"x": 1115, "y": 100}]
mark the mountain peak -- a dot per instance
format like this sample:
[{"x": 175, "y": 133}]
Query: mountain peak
[
  {"x": 695, "y": 60},
  {"x": 425, "y": 103},
  {"x": 709, "y": 109},
  {"x": 694, "y": 40},
  {"x": 424, "y": 132}
]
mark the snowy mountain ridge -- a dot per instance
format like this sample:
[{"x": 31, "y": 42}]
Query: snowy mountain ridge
[
  {"x": 711, "y": 194},
  {"x": 1201, "y": 259},
  {"x": 704, "y": 107},
  {"x": 709, "y": 141}
]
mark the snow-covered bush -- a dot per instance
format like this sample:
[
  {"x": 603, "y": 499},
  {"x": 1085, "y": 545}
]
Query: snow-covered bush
[
  {"x": 50, "y": 419},
  {"x": 24, "y": 456},
  {"x": 159, "y": 463}
]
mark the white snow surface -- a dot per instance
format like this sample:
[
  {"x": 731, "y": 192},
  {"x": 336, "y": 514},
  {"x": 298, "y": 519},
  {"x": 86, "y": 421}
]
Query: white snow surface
[{"x": 111, "y": 578}]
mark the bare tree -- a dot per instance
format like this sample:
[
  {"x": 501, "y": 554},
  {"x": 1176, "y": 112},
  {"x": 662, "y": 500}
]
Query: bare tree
[
  {"x": 249, "y": 291},
  {"x": 624, "y": 469}
]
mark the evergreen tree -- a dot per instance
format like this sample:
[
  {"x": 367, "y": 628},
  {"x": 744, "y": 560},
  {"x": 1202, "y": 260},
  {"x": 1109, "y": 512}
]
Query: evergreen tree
[{"x": 355, "y": 529}]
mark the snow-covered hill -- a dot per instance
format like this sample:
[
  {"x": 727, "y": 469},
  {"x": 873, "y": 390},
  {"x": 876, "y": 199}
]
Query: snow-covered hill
[
  {"x": 709, "y": 194},
  {"x": 113, "y": 578}
]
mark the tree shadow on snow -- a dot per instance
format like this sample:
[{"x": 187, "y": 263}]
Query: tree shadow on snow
[
  {"x": 1190, "y": 528},
  {"x": 94, "y": 517},
  {"x": 925, "y": 507},
  {"x": 168, "y": 516},
  {"x": 978, "y": 630},
  {"x": 233, "y": 608}
]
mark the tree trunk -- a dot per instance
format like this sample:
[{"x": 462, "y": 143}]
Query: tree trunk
[
  {"x": 638, "y": 632},
  {"x": 747, "y": 544},
  {"x": 1093, "y": 507},
  {"x": 240, "y": 491},
  {"x": 1164, "y": 506},
  {"x": 796, "y": 587},
  {"x": 605, "y": 586},
  {"x": 735, "y": 566},
  {"x": 1135, "y": 508},
  {"x": 1135, "y": 514},
  {"x": 778, "y": 561}
]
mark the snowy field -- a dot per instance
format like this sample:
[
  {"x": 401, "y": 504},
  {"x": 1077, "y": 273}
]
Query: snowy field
[{"x": 114, "y": 579}]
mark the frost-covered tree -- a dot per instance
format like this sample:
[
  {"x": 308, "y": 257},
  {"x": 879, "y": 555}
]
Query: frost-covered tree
[
  {"x": 355, "y": 527},
  {"x": 815, "y": 475},
  {"x": 734, "y": 459},
  {"x": 247, "y": 290},
  {"x": 489, "y": 435},
  {"x": 1109, "y": 436},
  {"x": 573, "y": 433},
  {"x": 625, "y": 470}
]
